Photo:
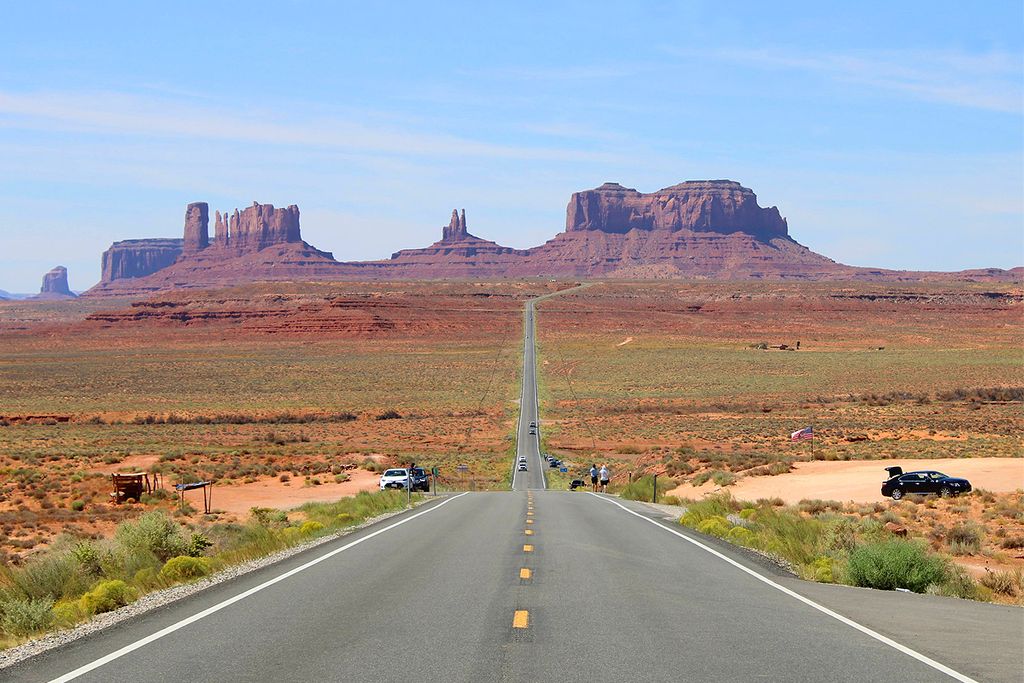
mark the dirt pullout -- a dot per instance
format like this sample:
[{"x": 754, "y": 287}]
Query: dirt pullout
[
  {"x": 860, "y": 481},
  {"x": 273, "y": 493}
]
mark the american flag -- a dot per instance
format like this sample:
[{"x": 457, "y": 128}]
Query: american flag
[{"x": 800, "y": 435}]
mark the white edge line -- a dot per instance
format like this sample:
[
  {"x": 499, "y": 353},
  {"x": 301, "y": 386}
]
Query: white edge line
[
  {"x": 117, "y": 654},
  {"x": 807, "y": 601}
]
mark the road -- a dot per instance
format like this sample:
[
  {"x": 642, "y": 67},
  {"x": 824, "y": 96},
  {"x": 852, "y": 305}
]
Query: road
[
  {"x": 528, "y": 444},
  {"x": 534, "y": 584}
]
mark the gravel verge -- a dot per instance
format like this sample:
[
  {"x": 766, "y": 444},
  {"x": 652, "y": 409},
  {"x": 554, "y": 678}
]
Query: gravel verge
[{"x": 163, "y": 597}]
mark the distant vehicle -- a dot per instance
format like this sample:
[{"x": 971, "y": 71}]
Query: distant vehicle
[
  {"x": 396, "y": 478},
  {"x": 533, "y": 424},
  {"x": 522, "y": 467},
  {"x": 575, "y": 484},
  {"x": 533, "y": 430},
  {"x": 554, "y": 463},
  {"x": 902, "y": 483},
  {"x": 420, "y": 480}
]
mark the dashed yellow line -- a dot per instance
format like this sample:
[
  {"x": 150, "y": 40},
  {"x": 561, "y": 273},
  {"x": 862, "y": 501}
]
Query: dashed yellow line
[
  {"x": 527, "y": 548},
  {"x": 529, "y": 513},
  {"x": 521, "y": 619},
  {"x": 529, "y": 521},
  {"x": 525, "y": 574},
  {"x": 528, "y": 532}
]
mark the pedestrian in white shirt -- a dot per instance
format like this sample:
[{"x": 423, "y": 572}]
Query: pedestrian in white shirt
[{"x": 605, "y": 476}]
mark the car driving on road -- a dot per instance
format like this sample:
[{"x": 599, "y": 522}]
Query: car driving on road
[
  {"x": 522, "y": 466},
  {"x": 397, "y": 478},
  {"x": 901, "y": 483}
]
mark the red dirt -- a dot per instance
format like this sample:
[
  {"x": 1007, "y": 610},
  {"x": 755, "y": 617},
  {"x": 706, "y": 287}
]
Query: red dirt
[{"x": 859, "y": 481}]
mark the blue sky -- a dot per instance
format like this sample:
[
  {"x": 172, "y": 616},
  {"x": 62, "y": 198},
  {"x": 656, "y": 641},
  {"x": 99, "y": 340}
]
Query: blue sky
[{"x": 889, "y": 134}]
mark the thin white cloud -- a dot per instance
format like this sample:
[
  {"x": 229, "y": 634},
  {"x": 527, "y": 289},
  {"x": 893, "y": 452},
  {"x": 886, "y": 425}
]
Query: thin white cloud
[
  {"x": 990, "y": 81},
  {"x": 131, "y": 115}
]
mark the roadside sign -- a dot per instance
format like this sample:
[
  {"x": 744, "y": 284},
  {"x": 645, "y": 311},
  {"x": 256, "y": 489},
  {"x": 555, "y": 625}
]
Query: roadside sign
[
  {"x": 463, "y": 468},
  {"x": 563, "y": 469}
]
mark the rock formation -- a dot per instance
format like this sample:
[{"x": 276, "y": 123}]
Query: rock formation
[
  {"x": 706, "y": 229},
  {"x": 457, "y": 254},
  {"x": 456, "y": 229},
  {"x": 139, "y": 258},
  {"x": 721, "y": 206},
  {"x": 197, "y": 222},
  {"x": 258, "y": 227},
  {"x": 55, "y": 285},
  {"x": 258, "y": 243}
]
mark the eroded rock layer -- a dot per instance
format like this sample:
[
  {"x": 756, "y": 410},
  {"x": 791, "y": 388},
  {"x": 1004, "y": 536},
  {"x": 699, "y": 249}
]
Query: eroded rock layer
[{"x": 706, "y": 229}]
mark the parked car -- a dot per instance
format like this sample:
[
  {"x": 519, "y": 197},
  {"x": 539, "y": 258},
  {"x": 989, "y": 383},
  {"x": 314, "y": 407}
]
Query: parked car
[
  {"x": 554, "y": 463},
  {"x": 901, "y": 483},
  {"x": 420, "y": 480},
  {"x": 396, "y": 478}
]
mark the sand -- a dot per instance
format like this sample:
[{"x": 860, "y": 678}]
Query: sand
[
  {"x": 860, "y": 481},
  {"x": 273, "y": 493}
]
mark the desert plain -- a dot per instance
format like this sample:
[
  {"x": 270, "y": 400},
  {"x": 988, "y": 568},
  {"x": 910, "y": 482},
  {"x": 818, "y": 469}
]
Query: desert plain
[{"x": 286, "y": 393}]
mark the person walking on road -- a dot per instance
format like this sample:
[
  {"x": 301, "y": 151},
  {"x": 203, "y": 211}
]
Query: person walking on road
[
  {"x": 605, "y": 476},
  {"x": 593, "y": 477}
]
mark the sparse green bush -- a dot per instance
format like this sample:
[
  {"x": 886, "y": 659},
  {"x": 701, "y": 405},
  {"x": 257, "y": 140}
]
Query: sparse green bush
[
  {"x": 268, "y": 517},
  {"x": 106, "y": 596},
  {"x": 895, "y": 564},
  {"x": 310, "y": 527},
  {"x": 643, "y": 487},
  {"x": 67, "y": 613},
  {"x": 23, "y": 617},
  {"x": 740, "y": 536},
  {"x": 1007, "y": 583},
  {"x": 714, "y": 526},
  {"x": 153, "y": 532},
  {"x": 724, "y": 478},
  {"x": 185, "y": 568},
  {"x": 197, "y": 545},
  {"x": 821, "y": 570},
  {"x": 965, "y": 539}
]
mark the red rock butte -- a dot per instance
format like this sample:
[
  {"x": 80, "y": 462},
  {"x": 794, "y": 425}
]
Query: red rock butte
[{"x": 704, "y": 229}]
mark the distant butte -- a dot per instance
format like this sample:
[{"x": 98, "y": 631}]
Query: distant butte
[
  {"x": 55, "y": 285},
  {"x": 700, "y": 229}
]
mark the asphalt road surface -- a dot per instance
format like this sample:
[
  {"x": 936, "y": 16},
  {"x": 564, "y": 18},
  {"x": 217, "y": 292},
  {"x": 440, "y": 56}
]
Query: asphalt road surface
[
  {"x": 532, "y": 584},
  {"x": 527, "y": 444}
]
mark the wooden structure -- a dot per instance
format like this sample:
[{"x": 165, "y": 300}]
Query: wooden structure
[
  {"x": 207, "y": 488},
  {"x": 131, "y": 485}
]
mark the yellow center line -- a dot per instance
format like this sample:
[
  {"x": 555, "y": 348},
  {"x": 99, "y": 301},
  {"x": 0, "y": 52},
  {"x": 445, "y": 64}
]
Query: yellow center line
[
  {"x": 521, "y": 619},
  {"x": 529, "y": 521},
  {"x": 529, "y": 513},
  {"x": 527, "y": 548},
  {"x": 528, "y": 532},
  {"x": 525, "y": 573}
]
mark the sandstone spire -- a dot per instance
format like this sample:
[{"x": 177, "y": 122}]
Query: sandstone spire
[
  {"x": 197, "y": 226},
  {"x": 456, "y": 228}
]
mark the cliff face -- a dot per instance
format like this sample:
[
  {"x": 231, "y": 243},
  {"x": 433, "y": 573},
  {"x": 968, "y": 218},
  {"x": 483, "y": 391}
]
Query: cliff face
[
  {"x": 55, "y": 285},
  {"x": 139, "y": 258},
  {"x": 708, "y": 229},
  {"x": 258, "y": 243},
  {"x": 721, "y": 206},
  {"x": 257, "y": 227}
]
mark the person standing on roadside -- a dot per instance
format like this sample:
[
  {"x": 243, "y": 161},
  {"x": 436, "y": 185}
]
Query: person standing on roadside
[
  {"x": 593, "y": 477},
  {"x": 605, "y": 476}
]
